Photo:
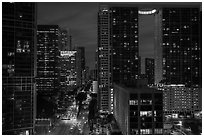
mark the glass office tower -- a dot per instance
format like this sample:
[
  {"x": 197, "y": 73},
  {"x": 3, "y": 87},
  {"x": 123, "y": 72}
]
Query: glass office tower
[{"x": 18, "y": 67}]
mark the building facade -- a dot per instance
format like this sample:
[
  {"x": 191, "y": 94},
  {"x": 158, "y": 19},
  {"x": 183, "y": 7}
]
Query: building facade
[
  {"x": 181, "y": 46},
  {"x": 64, "y": 40},
  {"x": 64, "y": 65},
  {"x": 149, "y": 70},
  {"x": 94, "y": 74},
  {"x": 138, "y": 110},
  {"x": 181, "y": 100},
  {"x": 104, "y": 66},
  {"x": 18, "y": 67},
  {"x": 158, "y": 45},
  {"x": 71, "y": 71},
  {"x": 80, "y": 66},
  {"x": 125, "y": 45},
  {"x": 48, "y": 43},
  {"x": 118, "y": 49}
]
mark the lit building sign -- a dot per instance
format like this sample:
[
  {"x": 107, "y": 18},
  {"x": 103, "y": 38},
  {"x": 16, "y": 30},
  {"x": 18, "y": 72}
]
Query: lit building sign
[
  {"x": 67, "y": 53},
  {"x": 147, "y": 12},
  {"x": 175, "y": 85}
]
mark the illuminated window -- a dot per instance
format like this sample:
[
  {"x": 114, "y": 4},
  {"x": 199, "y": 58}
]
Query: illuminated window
[
  {"x": 10, "y": 68},
  {"x": 146, "y": 102},
  {"x": 158, "y": 131},
  {"x": 146, "y": 113},
  {"x": 22, "y": 48},
  {"x": 145, "y": 131},
  {"x": 133, "y": 102},
  {"x": 10, "y": 54}
]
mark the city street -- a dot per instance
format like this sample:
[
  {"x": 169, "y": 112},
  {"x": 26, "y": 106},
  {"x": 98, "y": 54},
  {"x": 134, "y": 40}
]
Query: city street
[{"x": 68, "y": 124}]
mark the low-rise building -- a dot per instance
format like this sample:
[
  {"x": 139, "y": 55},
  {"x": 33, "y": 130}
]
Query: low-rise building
[{"x": 138, "y": 110}]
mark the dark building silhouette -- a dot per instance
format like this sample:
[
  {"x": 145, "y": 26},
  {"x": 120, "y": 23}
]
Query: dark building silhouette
[
  {"x": 80, "y": 65},
  {"x": 64, "y": 39},
  {"x": 149, "y": 70},
  {"x": 18, "y": 67},
  {"x": 93, "y": 74},
  {"x": 70, "y": 42},
  {"x": 118, "y": 49},
  {"x": 181, "y": 46}
]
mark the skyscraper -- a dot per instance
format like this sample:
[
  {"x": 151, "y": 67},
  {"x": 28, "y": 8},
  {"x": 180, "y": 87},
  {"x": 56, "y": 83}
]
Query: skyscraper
[
  {"x": 124, "y": 44},
  {"x": 69, "y": 69},
  {"x": 18, "y": 67},
  {"x": 158, "y": 45},
  {"x": 118, "y": 49},
  {"x": 149, "y": 70},
  {"x": 48, "y": 43},
  {"x": 64, "y": 40},
  {"x": 80, "y": 66},
  {"x": 181, "y": 46},
  {"x": 104, "y": 58},
  {"x": 64, "y": 64}
]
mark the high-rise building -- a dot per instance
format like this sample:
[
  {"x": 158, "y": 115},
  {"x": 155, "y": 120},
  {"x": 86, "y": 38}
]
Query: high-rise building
[
  {"x": 118, "y": 49},
  {"x": 64, "y": 40},
  {"x": 69, "y": 69},
  {"x": 64, "y": 64},
  {"x": 104, "y": 49},
  {"x": 138, "y": 110},
  {"x": 158, "y": 45},
  {"x": 48, "y": 43},
  {"x": 18, "y": 67},
  {"x": 93, "y": 74},
  {"x": 87, "y": 74},
  {"x": 70, "y": 42},
  {"x": 149, "y": 70},
  {"x": 181, "y": 46},
  {"x": 80, "y": 66},
  {"x": 124, "y": 44}
]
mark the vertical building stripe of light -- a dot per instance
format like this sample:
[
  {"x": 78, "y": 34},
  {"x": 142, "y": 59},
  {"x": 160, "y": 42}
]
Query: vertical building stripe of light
[
  {"x": 158, "y": 45},
  {"x": 104, "y": 57}
]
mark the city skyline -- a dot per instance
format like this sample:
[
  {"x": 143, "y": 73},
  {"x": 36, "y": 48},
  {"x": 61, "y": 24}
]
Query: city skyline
[
  {"x": 80, "y": 20},
  {"x": 85, "y": 14},
  {"x": 114, "y": 68}
]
